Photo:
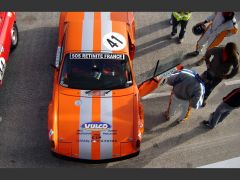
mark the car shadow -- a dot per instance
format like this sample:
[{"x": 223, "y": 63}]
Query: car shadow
[{"x": 158, "y": 148}]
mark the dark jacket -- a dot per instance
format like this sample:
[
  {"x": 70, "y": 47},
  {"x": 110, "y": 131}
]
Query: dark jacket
[
  {"x": 233, "y": 98},
  {"x": 218, "y": 67},
  {"x": 188, "y": 86}
]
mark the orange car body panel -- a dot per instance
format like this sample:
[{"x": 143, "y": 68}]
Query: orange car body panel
[{"x": 74, "y": 115}]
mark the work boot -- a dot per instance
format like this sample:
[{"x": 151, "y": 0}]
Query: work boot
[
  {"x": 180, "y": 121},
  {"x": 180, "y": 40},
  {"x": 207, "y": 124},
  {"x": 193, "y": 54},
  {"x": 172, "y": 35}
]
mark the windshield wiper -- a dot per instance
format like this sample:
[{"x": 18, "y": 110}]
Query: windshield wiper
[
  {"x": 87, "y": 92},
  {"x": 106, "y": 92}
]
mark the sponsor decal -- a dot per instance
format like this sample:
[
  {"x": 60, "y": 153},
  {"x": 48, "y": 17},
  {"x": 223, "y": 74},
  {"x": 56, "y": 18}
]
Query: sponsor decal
[
  {"x": 108, "y": 132},
  {"x": 114, "y": 41},
  {"x": 102, "y": 140},
  {"x": 99, "y": 56},
  {"x": 96, "y": 126}
]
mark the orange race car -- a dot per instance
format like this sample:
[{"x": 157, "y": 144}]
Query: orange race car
[{"x": 95, "y": 112}]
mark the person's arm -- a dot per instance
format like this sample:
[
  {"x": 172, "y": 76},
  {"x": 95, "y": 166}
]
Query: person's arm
[
  {"x": 197, "y": 98},
  {"x": 225, "y": 27},
  {"x": 210, "y": 18},
  {"x": 172, "y": 79},
  {"x": 234, "y": 71},
  {"x": 208, "y": 54}
]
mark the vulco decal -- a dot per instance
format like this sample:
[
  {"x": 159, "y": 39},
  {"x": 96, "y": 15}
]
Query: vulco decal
[
  {"x": 96, "y": 126},
  {"x": 114, "y": 41}
]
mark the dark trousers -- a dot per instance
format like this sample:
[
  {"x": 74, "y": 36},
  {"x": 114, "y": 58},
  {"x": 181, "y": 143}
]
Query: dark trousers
[
  {"x": 221, "y": 112},
  {"x": 210, "y": 83},
  {"x": 175, "y": 24}
]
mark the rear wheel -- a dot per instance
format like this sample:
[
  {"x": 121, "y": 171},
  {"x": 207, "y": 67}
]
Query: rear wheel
[{"x": 14, "y": 36}]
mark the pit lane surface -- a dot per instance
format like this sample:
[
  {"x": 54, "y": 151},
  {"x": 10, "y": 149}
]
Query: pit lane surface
[{"x": 27, "y": 88}]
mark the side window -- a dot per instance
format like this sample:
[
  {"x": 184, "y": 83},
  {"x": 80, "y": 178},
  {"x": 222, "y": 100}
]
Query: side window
[{"x": 60, "y": 50}]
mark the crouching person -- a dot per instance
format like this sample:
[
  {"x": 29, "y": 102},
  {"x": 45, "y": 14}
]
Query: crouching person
[
  {"x": 188, "y": 92},
  {"x": 230, "y": 102}
]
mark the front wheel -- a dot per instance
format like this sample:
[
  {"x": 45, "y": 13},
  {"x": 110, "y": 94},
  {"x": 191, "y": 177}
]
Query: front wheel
[{"x": 14, "y": 36}]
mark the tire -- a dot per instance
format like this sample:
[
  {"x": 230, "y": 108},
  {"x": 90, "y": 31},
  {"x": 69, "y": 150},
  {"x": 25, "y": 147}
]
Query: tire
[{"x": 14, "y": 36}]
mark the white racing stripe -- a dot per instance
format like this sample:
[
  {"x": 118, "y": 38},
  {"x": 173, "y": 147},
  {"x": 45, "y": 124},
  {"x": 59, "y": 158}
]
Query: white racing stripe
[
  {"x": 85, "y": 148},
  {"x": 87, "y": 33},
  {"x": 106, "y": 27},
  {"x": 106, "y": 102},
  {"x": 106, "y": 117}
]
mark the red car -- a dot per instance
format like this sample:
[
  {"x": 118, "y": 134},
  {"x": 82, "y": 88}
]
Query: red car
[{"x": 8, "y": 38}]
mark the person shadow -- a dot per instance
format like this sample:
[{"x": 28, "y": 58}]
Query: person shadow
[
  {"x": 153, "y": 45},
  {"x": 152, "y": 28},
  {"x": 159, "y": 148}
]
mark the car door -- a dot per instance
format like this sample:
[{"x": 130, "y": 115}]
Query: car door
[{"x": 157, "y": 75}]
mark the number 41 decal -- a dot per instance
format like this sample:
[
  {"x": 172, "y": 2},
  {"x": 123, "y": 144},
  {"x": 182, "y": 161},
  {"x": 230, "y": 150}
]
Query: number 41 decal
[
  {"x": 114, "y": 41},
  {"x": 112, "y": 44}
]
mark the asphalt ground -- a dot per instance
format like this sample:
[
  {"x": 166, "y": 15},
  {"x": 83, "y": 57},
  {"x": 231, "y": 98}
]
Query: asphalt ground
[{"x": 27, "y": 89}]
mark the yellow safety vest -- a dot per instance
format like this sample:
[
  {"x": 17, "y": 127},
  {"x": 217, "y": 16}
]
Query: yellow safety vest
[{"x": 182, "y": 16}]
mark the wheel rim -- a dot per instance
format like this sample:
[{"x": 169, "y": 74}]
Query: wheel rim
[{"x": 14, "y": 36}]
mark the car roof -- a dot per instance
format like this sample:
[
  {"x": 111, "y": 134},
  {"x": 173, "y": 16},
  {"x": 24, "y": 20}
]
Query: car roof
[{"x": 86, "y": 30}]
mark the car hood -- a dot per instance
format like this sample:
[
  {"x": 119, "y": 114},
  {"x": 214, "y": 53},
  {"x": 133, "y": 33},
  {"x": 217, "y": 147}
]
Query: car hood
[{"x": 96, "y": 122}]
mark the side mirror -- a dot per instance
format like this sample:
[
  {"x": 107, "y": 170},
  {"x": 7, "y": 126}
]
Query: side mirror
[
  {"x": 54, "y": 67},
  {"x": 132, "y": 50}
]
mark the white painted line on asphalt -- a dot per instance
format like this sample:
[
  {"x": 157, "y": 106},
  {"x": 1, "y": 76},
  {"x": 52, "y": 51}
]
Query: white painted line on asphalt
[
  {"x": 233, "y": 82},
  {"x": 156, "y": 95},
  {"x": 230, "y": 163}
]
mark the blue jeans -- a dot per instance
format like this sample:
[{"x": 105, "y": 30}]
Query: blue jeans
[{"x": 221, "y": 112}]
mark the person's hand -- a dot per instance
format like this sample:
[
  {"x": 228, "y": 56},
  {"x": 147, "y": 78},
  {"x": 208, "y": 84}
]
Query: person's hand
[
  {"x": 208, "y": 65},
  {"x": 200, "y": 23},
  {"x": 163, "y": 81}
]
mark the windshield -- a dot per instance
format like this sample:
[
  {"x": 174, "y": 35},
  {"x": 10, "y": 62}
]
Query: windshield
[{"x": 96, "y": 71}]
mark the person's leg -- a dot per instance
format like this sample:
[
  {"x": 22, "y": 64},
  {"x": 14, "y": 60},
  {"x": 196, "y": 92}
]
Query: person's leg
[
  {"x": 185, "y": 110},
  {"x": 183, "y": 29},
  {"x": 210, "y": 83},
  {"x": 210, "y": 87},
  {"x": 188, "y": 112},
  {"x": 216, "y": 41},
  {"x": 221, "y": 112},
  {"x": 170, "y": 22},
  {"x": 174, "y": 26},
  {"x": 203, "y": 40},
  {"x": 174, "y": 102}
]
